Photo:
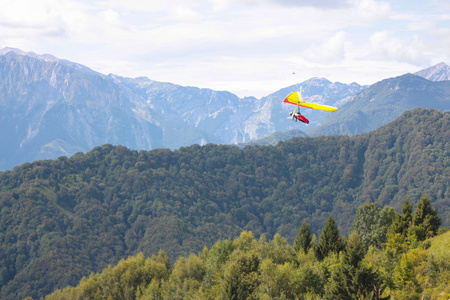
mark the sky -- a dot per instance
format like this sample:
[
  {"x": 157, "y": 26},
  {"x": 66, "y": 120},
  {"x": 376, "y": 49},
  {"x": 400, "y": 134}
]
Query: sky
[{"x": 247, "y": 47}]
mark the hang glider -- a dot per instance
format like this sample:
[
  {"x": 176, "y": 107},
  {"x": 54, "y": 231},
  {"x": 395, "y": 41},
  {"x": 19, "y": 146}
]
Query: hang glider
[{"x": 296, "y": 98}]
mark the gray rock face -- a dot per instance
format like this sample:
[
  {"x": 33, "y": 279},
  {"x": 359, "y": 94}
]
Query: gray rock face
[
  {"x": 439, "y": 72},
  {"x": 52, "y": 107}
]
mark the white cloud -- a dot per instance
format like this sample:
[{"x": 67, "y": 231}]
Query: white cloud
[
  {"x": 321, "y": 4},
  {"x": 32, "y": 17},
  {"x": 368, "y": 11},
  {"x": 440, "y": 45},
  {"x": 110, "y": 17},
  {"x": 185, "y": 13},
  {"x": 331, "y": 50},
  {"x": 385, "y": 46},
  {"x": 420, "y": 25},
  {"x": 230, "y": 44}
]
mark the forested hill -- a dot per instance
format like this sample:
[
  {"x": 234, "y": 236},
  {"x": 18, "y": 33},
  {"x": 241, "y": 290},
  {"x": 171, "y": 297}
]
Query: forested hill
[{"x": 62, "y": 219}]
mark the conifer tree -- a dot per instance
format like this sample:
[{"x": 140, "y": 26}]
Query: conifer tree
[
  {"x": 401, "y": 223},
  {"x": 352, "y": 280},
  {"x": 407, "y": 212},
  {"x": 330, "y": 240},
  {"x": 425, "y": 219},
  {"x": 303, "y": 239}
]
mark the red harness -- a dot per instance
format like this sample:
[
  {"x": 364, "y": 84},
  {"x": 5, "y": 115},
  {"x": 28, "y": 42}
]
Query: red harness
[{"x": 302, "y": 118}]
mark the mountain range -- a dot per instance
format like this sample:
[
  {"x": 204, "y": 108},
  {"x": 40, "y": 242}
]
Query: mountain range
[{"x": 51, "y": 107}]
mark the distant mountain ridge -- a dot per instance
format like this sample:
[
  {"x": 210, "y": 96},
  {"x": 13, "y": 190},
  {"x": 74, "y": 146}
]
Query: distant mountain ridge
[
  {"x": 274, "y": 138},
  {"x": 272, "y": 114},
  {"x": 439, "y": 72},
  {"x": 383, "y": 102},
  {"x": 52, "y": 107}
]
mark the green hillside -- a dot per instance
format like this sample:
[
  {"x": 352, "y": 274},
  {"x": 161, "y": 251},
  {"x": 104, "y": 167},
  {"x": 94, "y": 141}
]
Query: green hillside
[
  {"x": 251, "y": 268},
  {"x": 63, "y": 219}
]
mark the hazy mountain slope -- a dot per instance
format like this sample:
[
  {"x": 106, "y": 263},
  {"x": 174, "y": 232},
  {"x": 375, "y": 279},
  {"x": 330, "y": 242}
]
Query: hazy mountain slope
[
  {"x": 235, "y": 120},
  {"x": 273, "y": 114},
  {"x": 62, "y": 219},
  {"x": 51, "y": 107},
  {"x": 46, "y": 104},
  {"x": 274, "y": 138},
  {"x": 220, "y": 114},
  {"x": 383, "y": 102}
]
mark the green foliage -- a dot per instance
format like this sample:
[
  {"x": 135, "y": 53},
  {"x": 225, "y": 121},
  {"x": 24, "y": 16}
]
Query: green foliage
[
  {"x": 242, "y": 277},
  {"x": 303, "y": 239},
  {"x": 372, "y": 224},
  {"x": 352, "y": 280},
  {"x": 186, "y": 277},
  {"x": 416, "y": 228},
  {"x": 330, "y": 240},
  {"x": 246, "y": 268},
  {"x": 63, "y": 219},
  {"x": 123, "y": 281},
  {"x": 426, "y": 219},
  {"x": 436, "y": 268},
  {"x": 405, "y": 280},
  {"x": 401, "y": 223}
]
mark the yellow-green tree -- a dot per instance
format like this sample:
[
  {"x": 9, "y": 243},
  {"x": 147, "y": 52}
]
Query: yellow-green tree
[
  {"x": 405, "y": 280},
  {"x": 242, "y": 277}
]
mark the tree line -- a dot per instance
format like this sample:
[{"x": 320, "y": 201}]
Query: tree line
[{"x": 386, "y": 256}]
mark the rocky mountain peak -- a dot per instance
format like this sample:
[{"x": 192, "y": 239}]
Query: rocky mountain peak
[
  {"x": 439, "y": 72},
  {"x": 317, "y": 81},
  {"x": 8, "y": 50}
]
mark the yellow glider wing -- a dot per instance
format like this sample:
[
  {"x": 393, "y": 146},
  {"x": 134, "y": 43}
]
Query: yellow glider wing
[{"x": 296, "y": 98}]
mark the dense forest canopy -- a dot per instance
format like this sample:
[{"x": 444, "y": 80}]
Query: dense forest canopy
[
  {"x": 406, "y": 265},
  {"x": 65, "y": 218}
]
